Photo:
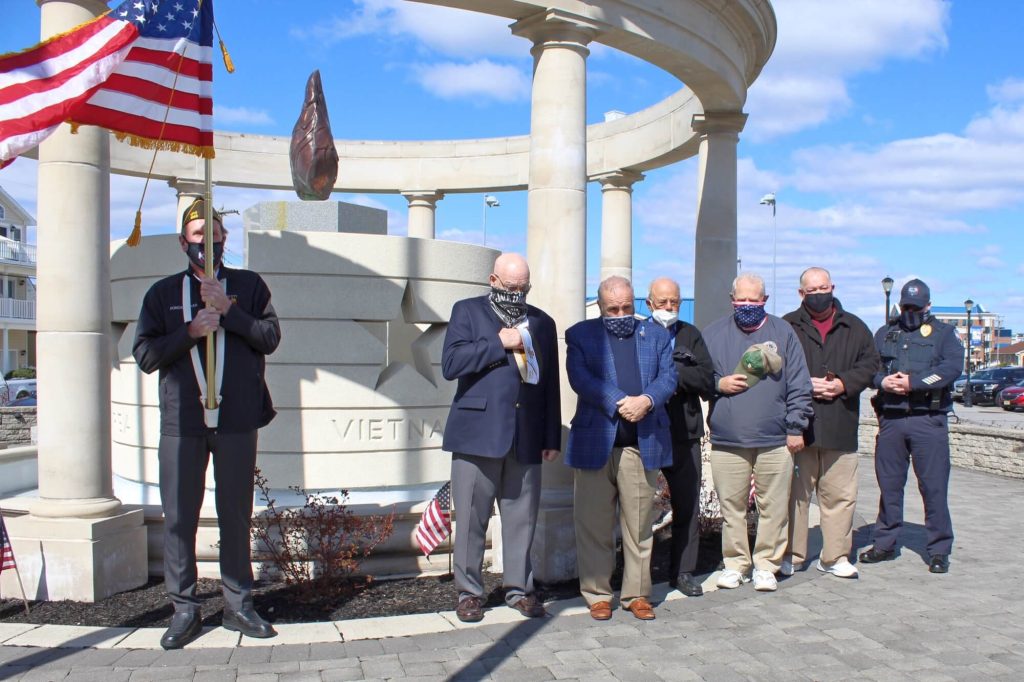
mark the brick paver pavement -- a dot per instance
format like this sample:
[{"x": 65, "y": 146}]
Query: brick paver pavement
[{"x": 897, "y": 622}]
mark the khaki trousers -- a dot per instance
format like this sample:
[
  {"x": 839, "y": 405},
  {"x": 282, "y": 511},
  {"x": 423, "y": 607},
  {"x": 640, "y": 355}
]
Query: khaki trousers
[
  {"x": 622, "y": 479},
  {"x": 832, "y": 474},
  {"x": 773, "y": 472}
]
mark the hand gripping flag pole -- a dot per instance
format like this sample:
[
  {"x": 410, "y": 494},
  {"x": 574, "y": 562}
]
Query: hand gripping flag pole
[{"x": 211, "y": 354}]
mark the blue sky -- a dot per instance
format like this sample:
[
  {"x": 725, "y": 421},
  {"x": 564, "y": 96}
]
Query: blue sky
[{"x": 892, "y": 132}]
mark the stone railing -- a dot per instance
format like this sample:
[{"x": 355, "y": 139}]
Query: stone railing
[
  {"x": 982, "y": 448},
  {"x": 16, "y": 425}
]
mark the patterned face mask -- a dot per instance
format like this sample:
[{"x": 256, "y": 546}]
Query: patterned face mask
[
  {"x": 749, "y": 316},
  {"x": 620, "y": 327},
  {"x": 510, "y": 306}
]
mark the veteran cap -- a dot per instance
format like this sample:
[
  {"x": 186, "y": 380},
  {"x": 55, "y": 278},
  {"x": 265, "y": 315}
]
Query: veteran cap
[
  {"x": 197, "y": 211},
  {"x": 915, "y": 293},
  {"x": 758, "y": 361}
]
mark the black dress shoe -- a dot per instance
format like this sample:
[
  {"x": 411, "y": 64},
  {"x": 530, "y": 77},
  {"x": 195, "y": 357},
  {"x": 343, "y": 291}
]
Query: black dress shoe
[
  {"x": 939, "y": 563},
  {"x": 688, "y": 585},
  {"x": 873, "y": 556},
  {"x": 185, "y": 626},
  {"x": 248, "y": 622}
]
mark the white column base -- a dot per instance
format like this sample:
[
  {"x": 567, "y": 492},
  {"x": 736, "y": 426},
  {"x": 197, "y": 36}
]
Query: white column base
[{"x": 83, "y": 559}]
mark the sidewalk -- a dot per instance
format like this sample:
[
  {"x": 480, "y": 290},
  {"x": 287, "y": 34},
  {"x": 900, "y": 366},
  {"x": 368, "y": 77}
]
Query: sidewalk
[{"x": 897, "y": 622}]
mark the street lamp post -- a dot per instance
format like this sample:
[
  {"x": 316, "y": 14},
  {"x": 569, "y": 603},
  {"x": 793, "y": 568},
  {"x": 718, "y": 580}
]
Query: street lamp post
[
  {"x": 968, "y": 400},
  {"x": 887, "y": 288},
  {"x": 490, "y": 201},
  {"x": 769, "y": 200}
]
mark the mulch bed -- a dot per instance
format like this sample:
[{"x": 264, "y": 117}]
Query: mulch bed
[{"x": 147, "y": 606}]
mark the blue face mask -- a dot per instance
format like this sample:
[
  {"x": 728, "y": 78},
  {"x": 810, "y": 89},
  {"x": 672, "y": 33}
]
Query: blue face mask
[
  {"x": 749, "y": 316},
  {"x": 620, "y": 327}
]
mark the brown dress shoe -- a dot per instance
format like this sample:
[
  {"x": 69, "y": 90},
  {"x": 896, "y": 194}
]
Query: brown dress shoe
[
  {"x": 601, "y": 610},
  {"x": 641, "y": 608},
  {"x": 530, "y": 607},
  {"x": 470, "y": 610}
]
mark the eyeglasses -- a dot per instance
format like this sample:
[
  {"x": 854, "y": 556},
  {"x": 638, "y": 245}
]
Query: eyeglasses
[{"x": 523, "y": 288}]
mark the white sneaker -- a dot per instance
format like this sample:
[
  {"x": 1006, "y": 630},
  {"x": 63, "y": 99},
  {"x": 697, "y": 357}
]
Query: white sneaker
[
  {"x": 764, "y": 581},
  {"x": 788, "y": 567},
  {"x": 731, "y": 579},
  {"x": 842, "y": 568}
]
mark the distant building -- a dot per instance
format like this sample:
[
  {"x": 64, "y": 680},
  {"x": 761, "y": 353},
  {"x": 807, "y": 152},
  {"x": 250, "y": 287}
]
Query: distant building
[
  {"x": 1012, "y": 355},
  {"x": 17, "y": 286},
  {"x": 987, "y": 333}
]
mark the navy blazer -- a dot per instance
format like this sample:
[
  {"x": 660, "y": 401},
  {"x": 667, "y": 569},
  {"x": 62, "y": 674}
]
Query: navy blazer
[
  {"x": 494, "y": 410},
  {"x": 591, "y": 369}
]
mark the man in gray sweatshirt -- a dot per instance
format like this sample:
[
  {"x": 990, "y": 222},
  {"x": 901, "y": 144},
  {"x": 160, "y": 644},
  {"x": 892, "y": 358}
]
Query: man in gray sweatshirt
[{"x": 761, "y": 408}]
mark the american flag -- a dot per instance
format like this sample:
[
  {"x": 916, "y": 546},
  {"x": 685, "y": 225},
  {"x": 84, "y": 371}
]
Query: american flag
[
  {"x": 436, "y": 522},
  {"x": 6, "y": 550},
  {"x": 142, "y": 70}
]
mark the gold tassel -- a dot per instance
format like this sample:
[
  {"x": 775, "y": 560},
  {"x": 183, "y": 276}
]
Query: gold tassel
[
  {"x": 136, "y": 236},
  {"x": 74, "y": 127},
  {"x": 228, "y": 64}
]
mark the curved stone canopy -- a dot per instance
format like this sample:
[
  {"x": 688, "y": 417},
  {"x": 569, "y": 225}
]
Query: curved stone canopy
[{"x": 716, "y": 47}]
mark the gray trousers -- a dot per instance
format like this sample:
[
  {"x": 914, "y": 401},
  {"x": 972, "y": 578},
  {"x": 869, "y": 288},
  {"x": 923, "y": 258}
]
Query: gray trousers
[
  {"x": 183, "y": 462},
  {"x": 476, "y": 483}
]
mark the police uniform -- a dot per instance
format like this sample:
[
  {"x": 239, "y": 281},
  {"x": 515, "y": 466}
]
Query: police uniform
[
  {"x": 913, "y": 427},
  {"x": 251, "y": 331}
]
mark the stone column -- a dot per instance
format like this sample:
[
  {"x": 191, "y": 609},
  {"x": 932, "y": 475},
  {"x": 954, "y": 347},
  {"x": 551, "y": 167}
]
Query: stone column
[
  {"x": 422, "y": 207},
  {"x": 77, "y": 542},
  {"x": 187, "y": 191},
  {"x": 6, "y": 352},
  {"x": 617, "y": 224},
  {"x": 557, "y": 236},
  {"x": 715, "y": 249}
]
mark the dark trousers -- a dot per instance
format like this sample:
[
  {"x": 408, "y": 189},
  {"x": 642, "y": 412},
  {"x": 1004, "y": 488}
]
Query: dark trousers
[
  {"x": 924, "y": 440},
  {"x": 683, "y": 479},
  {"x": 183, "y": 462}
]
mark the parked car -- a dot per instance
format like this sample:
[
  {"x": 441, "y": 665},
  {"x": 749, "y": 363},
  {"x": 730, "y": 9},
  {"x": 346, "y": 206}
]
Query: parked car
[
  {"x": 1013, "y": 397},
  {"x": 27, "y": 401},
  {"x": 989, "y": 389},
  {"x": 14, "y": 389},
  {"x": 958, "y": 384}
]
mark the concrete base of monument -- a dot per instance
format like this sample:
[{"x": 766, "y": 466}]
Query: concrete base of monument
[{"x": 84, "y": 559}]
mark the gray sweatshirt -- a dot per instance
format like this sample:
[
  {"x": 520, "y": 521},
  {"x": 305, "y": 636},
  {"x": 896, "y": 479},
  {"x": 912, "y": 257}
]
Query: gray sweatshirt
[{"x": 774, "y": 407}]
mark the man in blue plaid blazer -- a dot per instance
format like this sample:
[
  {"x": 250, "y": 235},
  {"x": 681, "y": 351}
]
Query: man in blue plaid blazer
[{"x": 621, "y": 368}]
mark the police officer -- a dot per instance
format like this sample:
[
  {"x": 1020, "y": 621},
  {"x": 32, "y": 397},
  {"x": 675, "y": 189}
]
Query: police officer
[{"x": 920, "y": 359}]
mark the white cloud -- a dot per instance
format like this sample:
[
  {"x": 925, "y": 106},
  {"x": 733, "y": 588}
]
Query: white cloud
[
  {"x": 1010, "y": 90},
  {"x": 452, "y": 32},
  {"x": 480, "y": 79},
  {"x": 821, "y": 44},
  {"x": 241, "y": 115}
]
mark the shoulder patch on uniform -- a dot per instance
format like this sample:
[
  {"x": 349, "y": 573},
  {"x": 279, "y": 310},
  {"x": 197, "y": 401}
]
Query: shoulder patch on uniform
[{"x": 931, "y": 379}]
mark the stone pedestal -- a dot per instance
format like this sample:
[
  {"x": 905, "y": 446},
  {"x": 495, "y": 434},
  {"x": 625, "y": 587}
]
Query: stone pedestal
[
  {"x": 76, "y": 558},
  {"x": 617, "y": 224},
  {"x": 557, "y": 235},
  {"x": 715, "y": 247}
]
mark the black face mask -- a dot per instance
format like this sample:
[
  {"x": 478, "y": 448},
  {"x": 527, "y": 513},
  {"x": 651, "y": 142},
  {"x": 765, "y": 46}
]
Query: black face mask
[
  {"x": 197, "y": 254},
  {"x": 510, "y": 306},
  {"x": 911, "y": 320},
  {"x": 818, "y": 303}
]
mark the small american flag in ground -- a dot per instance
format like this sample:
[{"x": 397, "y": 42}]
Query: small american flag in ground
[
  {"x": 436, "y": 523},
  {"x": 142, "y": 70},
  {"x": 6, "y": 551}
]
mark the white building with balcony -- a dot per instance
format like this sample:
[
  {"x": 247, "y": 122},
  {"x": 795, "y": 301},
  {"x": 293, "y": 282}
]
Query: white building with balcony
[{"x": 17, "y": 286}]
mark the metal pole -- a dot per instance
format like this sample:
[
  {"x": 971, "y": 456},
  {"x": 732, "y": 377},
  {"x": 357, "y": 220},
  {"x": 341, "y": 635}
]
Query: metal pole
[
  {"x": 968, "y": 400},
  {"x": 887, "y": 316},
  {"x": 485, "y": 221},
  {"x": 775, "y": 251},
  {"x": 211, "y": 353}
]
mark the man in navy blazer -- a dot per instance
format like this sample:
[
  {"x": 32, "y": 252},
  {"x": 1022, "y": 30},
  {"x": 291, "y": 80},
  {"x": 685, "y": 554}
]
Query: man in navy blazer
[
  {"x": 504, "y": 420},
  {"x": 621, "y": 368}
]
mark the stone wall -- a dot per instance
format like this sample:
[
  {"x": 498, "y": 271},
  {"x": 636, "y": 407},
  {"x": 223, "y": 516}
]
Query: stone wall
[
  {"x": 16, "y": 425},
  {"x": 982, "y": 448}
]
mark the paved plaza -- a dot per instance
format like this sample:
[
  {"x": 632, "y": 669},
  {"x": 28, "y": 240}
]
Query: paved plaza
[{"x": 897, "y": 622}]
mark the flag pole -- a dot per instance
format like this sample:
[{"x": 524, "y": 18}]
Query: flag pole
[
  {"x": 21, "y": 586},
  {"x": 211, "y": 355}
]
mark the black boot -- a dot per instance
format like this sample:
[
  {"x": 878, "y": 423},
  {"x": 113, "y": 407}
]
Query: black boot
[
  {"x": 185, "y": 626},
  {"x": 248, "y": 622}
]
